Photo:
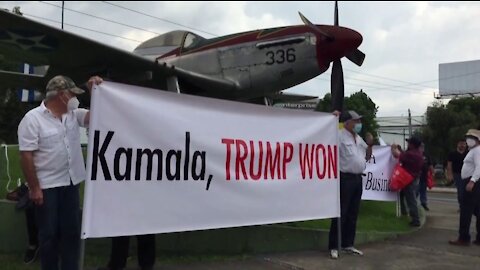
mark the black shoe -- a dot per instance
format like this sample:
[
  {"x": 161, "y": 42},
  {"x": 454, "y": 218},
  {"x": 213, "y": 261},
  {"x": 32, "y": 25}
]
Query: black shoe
[
  {"x": 30, "y": 255},
  {"x": 458, "y": 242},
  {"x": 414, "y": 224},
  {"x": 424, "y": 205}
]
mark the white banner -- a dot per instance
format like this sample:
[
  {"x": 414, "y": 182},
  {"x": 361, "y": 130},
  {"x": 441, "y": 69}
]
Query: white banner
[
  {"x": 163, "y": 162},
  {"x": 377, "y": 175}
]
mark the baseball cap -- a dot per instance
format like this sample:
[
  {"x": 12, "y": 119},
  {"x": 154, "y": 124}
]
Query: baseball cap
[
  {"x": 61, "y": 82},
  {"x": 349, "y": 115},
  {"x": 415, "y": 141}
]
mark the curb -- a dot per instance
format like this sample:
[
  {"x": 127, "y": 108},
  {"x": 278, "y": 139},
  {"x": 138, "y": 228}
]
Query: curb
[{"x": 443, "y": 190}]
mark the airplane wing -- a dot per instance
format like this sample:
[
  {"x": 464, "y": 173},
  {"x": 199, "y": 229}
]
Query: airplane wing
[
  {"x": 287, "y": 97},
  {"x": 15, "y": 80},
  {"x": 26, "y": 41}
]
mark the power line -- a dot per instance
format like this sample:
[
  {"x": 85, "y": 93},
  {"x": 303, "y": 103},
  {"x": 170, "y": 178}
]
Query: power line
[
  {"x": 151, "y": 16},
  {"x": 439, "y": 79},
  {"x": 368, "y": 88},
  {"x": 100, "y": 18},
  {"x": 393, "y": 86},
  {"x": 381, "y": 77},
  {"x": 42, "y": 18}
]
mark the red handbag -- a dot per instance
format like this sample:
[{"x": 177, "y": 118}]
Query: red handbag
[
  {"x": 430, "y": 181},
  {"x": 400, "y": 178}
]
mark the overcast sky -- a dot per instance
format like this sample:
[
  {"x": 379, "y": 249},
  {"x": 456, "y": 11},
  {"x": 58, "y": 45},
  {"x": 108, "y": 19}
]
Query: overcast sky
[{"x": 404, "y": 42}]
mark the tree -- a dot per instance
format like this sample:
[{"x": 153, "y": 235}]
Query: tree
[
  {"x": 359, "y": 102},
  {"x": 446, "y": 124},
  {"x": 364, "y": 105}
]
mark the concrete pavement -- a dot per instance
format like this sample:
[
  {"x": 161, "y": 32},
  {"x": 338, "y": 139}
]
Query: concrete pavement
[{"x": 426, "y": 248}]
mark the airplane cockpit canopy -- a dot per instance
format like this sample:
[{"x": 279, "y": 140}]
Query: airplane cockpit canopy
[{"x": 160, "y": 45}]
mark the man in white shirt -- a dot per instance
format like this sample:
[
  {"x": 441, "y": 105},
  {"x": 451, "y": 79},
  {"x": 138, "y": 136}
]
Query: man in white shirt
[
  {"x": 471, "y": 199},
  {"x": 53, "y": 165},
  {"x": 354, "y": 153}
]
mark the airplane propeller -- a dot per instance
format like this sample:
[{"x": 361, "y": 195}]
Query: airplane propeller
[
  {"x": 336, "y": 80},
  {"x": 337, "y": 86}
]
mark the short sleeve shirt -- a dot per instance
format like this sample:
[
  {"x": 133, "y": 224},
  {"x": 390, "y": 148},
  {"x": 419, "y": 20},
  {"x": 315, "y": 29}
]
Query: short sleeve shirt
[
  {"x": 471, "y": 165},
  {"x": 352, "y": 153},
  {"x": 55, "y": 143},
  {"x": 457, "y": 160}
]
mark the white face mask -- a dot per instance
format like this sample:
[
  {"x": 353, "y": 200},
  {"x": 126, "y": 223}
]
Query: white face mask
[
  {"x": 357, "y": 128},
  {"x": 471, "y": 142},
  {"x": 73, "y": 104}
]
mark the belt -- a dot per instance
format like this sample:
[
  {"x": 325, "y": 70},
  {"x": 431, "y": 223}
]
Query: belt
[{"x": 352, "y": 174}]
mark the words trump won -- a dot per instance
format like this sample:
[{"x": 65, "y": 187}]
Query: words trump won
[{"x": 265, "y": 160}]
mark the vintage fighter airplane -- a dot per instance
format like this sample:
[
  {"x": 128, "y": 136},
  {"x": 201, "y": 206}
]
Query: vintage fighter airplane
[{"x": 251, "y": 66}]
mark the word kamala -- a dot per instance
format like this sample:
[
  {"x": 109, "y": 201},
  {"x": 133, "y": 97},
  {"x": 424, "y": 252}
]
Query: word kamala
[{"x": 170, "y": 162}]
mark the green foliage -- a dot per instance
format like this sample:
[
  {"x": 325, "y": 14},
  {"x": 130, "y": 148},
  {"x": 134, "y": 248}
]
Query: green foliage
[
  {"x": 446, "y": 124},
  {"x": 11, "y": 113},
  {"x": 359, "y": 102}
]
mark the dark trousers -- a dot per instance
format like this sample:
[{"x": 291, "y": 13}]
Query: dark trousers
[
  {"x": 350, "y": 196},
  {"x": 470, "y": 204},
  {"x": 410, "y": 197},
  {"x": 145, "y": 251},
  {"x": 58, "y": 222},
  {"x": 403, "y": 208},
  {"x": 31, "y": 226},
  {"x": 460, "y": 184}
]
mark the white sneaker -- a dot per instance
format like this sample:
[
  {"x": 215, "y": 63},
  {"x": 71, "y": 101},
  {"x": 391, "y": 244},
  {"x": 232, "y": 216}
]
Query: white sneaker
[
  {"x": 334, "y": 254},
  {"x": 353, "y": 250}
]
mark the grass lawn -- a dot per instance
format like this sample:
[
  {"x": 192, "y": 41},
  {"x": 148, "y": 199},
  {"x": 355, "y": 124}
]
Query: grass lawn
[
  {"x": 15, "y": 171},
  {"x": 374, "y": 217}
]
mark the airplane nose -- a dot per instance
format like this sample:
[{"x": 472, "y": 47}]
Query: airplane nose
[
  {"x": 351, "y": 38},
  {"x": 344, "y": 41}
]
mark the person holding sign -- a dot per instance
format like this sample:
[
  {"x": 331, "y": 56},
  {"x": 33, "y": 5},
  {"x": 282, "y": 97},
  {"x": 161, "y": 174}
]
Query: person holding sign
[
  {"x": 53, "y": 165},
  {"x": 354, "y": 153}
]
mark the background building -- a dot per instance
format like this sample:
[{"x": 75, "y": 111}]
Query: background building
[{"x": 395, "y": 129}]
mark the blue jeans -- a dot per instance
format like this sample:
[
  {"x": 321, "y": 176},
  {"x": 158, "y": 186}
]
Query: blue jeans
[{"x": 59, "y": 228}]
